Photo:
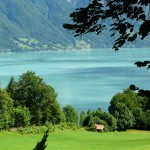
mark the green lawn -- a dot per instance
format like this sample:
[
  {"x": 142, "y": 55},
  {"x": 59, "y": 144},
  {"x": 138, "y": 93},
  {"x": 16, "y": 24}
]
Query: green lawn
[{"x": 79, "y": 140}]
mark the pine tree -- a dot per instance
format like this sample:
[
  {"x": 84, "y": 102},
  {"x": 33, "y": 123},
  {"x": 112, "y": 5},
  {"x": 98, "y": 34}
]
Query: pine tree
[{"x": 11, "y": 87}]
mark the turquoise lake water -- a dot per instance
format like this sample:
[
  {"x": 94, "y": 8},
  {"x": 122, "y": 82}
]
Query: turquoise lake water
[{"x": 84, "y": 79}]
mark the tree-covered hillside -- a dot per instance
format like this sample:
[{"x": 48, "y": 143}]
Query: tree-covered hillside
[
  {"x": 33, "y": 24},
  {"x": 37, "y": 25}
]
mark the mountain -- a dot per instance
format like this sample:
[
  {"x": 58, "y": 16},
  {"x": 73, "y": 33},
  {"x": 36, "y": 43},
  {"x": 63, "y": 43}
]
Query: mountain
[
  {"x": 35, "y": 25},
  {"x": 27, "y": 25}
]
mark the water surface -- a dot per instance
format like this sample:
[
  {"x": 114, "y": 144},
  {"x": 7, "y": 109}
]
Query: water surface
[{"x": 84, "y": 79}]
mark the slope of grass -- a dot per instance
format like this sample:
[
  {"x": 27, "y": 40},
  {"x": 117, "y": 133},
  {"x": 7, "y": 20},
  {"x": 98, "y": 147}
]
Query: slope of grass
[{"x": 79, "y": 140}]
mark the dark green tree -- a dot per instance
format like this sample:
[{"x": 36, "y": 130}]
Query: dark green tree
[
  {"x": 82, "y": 118},
  {"x": 88, "y": 117},
  {"x": 123, "y": 115},
  {"x": 6, "y": 110},
  {"x": 139, "y": 119},
  {"x": 98, "y": 112},
  {"x": 49, "y": 109},
  {"x": 42, "y": 144},
  {"x": 32, "y": 92},
  {"x": 22, "y": 116},
  {"x": 71, "y": 114},
  {"x": 147, "y": 114},
  {"x": 136, "y": 104},
  {"x": 143, "y": 96},
  {"x": 127, "y": 97},
  {"x": 111, "y": 121},
  {"x": 11, "y": 87},
  {"x": 146, "y": 98}
]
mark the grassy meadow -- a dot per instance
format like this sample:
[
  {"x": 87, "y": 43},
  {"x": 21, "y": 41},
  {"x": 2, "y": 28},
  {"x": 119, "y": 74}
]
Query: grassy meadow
[{"x": 78, "y": 140}]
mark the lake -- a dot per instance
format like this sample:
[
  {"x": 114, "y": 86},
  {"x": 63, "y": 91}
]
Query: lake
[{"x": 85, "y": 79}]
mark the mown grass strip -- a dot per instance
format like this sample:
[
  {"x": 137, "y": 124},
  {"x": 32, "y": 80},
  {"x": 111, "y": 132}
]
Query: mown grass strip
[{"x": 78, "y": 140}]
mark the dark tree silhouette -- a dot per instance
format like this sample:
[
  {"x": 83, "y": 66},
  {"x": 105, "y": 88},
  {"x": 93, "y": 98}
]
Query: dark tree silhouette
[
  {"x": 127, "y": 20},
  {"x": 42, "y": 144}
]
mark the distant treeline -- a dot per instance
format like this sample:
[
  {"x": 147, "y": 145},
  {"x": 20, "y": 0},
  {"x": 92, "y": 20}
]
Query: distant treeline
[{"x": 30, "y": 101}]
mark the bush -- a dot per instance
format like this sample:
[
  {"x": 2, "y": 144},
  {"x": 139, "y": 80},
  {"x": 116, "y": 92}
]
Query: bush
[
  {"x": 22, "y": 116},
  {"x": 33, "y": 130}
]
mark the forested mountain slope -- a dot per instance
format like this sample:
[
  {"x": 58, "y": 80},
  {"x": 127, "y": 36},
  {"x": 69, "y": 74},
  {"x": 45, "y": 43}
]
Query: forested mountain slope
[{"x": 37, "y": 25}]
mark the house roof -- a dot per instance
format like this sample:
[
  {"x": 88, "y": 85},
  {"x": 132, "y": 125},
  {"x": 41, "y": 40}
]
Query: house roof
[{"x": 99, "y": 127}]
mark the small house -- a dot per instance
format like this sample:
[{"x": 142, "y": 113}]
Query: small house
[{"x": 99, "y": 127}]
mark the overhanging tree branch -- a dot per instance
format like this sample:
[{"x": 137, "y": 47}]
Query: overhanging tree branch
[{"x": 127, "y": 19}]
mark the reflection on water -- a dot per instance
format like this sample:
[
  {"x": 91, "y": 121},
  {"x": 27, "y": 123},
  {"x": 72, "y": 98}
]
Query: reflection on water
[{"x": 84, "y": 79}]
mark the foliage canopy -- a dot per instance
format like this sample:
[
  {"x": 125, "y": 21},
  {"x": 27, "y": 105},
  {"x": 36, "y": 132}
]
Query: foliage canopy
[
  {"x": 71, "y": 114},
  {"x": 126, "y": 20},
  {"x": 32, "y": 92},
  {"x": 6, "y": 110}
]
